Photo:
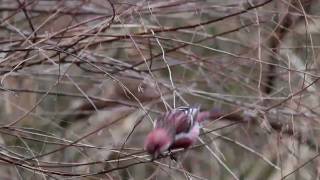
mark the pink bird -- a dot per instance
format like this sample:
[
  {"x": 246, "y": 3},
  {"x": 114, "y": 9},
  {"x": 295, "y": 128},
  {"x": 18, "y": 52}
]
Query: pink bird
[{"x": 178, "y": 128}]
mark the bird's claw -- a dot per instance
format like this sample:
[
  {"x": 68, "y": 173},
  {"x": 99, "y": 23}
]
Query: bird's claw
[{"x": 172, "y": 156}]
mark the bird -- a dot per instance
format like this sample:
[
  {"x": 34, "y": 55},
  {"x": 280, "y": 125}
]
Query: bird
[{"x": 178, "y": 128}]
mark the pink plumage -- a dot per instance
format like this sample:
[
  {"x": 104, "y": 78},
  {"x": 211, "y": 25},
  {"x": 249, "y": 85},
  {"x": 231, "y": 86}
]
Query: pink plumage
[{"x": 178, "y": 128}]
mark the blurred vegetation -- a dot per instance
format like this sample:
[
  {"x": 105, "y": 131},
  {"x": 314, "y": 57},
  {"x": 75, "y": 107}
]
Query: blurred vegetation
[{"x": 82, "y": 82}]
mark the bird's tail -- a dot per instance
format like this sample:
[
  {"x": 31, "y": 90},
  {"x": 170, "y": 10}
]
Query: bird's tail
[{"x": 217, "y": 113}]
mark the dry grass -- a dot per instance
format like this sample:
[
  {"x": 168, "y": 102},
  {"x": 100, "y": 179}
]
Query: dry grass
[{"x": 82, "y": 81}]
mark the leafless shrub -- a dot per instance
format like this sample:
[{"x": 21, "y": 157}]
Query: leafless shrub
[{"x": 82, "y": 81}]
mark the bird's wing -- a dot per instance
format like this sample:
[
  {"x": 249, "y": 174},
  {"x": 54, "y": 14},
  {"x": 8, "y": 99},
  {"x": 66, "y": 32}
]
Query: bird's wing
[{"x": 179, "y": 120}]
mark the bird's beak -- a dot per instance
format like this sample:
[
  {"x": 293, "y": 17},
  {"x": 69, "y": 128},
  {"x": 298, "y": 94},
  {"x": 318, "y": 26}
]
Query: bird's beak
[{"x": 154, "y": 156}]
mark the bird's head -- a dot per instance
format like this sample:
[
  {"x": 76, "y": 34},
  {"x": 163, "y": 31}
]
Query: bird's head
[{"x": 158, "y": 141}]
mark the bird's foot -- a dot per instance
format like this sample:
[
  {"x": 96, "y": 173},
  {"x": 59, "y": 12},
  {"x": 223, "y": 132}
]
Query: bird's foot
[{"x": 172, "y": 156}]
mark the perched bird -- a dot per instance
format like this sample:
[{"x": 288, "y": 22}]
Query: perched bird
[{"x": 178, "y": 128}]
